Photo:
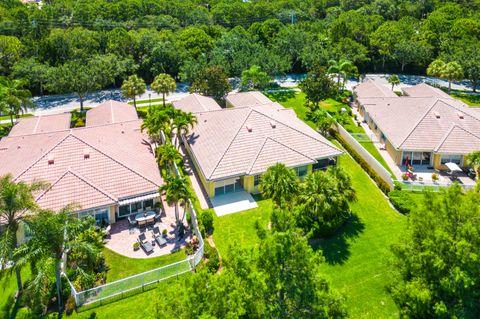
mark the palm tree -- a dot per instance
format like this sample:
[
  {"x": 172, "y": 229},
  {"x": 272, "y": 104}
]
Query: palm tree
[
  {"x": 14, "y": 97},
  {"x": 182, "y": 121},
  {"x": 167, "y": 154},
  {"x": 451, "y": 71},
  {"x": 279, "y": 183},
  {"x": 177, "y": 193},
  {"x": 16, "y": 200},
  {"x": 163, "y": 83},
  {"x": 343, "y": 68},
  {"x": 53, "y": 234},
  {"x": 323, "y": 122},
  {"x": 157, "y": 120},
  {"x": 473, "y": 159},
  {"x": 132, "y": 87},
  {"x": 344, "y": 182},
  {"x": 393, "y": 80}
]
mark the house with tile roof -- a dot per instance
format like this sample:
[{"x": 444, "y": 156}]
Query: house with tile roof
[
  {"x": 107, "y": 168},
  {"x": 425, "y": 127},
  {"x": 232, "y": 147}
]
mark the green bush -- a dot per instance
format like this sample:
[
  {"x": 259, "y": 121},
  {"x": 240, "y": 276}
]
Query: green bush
[
  {"x": 384, "y": 187},
  {"x": 213, "y": 259},
  {"x": 402, "y": 201},
  {"x": 70, "y": 305},
  {"x": 206, "y": 221}
]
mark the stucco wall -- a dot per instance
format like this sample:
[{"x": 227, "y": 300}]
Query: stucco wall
[
  {"x": 207, "y": 185},
  {"x": 396, "y": 155}
]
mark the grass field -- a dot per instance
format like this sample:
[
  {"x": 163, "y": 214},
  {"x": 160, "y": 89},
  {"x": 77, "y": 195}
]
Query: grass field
[
  {"x": 147, "y": 101},
  {"x": 122, "y": 267},
  {"x": 469, "y": 99},
  {"x": 375, "y": 153}
]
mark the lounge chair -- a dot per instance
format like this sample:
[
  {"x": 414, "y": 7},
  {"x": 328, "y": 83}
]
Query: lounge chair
[
  {"x": 158, "y": 237},
  {"x": 146, "y": 245}
]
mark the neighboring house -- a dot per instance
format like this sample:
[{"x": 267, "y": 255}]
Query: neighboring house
[
  {"x": 232, "y": 147},
  {"x": 424, "y": 127},
  {"x": 370, "y": 88},
  {"x": 107, "y": 168}
]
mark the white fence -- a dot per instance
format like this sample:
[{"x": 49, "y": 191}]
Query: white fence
[
  {"x": 372, "y": 161},
  {"x": 431, "y": 186},
  {"x": 123, "y": 286}
]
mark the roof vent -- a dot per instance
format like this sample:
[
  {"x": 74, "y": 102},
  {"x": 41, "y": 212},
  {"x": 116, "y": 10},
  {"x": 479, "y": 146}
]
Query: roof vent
[
  {"x": 86, "y": 153},
  {"x": 51, "y": 159},
  {"x": 437, "y": 115},
  {"x": 249, "y": 127},
  {"x": 460, "y": 115},
  {"x": 273, "y": 124}
]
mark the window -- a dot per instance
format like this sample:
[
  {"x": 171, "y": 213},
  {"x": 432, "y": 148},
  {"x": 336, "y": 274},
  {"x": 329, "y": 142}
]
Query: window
[
  {"x": 301, "y": 171},
  {"x": 101, "y": 215},
  {"x": 457, "y": 159},
  {"x": 416, "y": 158},
  {"x": 321, "y": 164},
  {"x": 256, "y": 180},
  {"x": 124, "y": 210}
]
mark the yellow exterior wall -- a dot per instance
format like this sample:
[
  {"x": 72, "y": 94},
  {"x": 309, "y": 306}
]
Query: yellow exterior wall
[
  {"x": 248, "y": 184},
  {"x": 112, "y": 214},
  {"x": 208, "y": 186},
  {"x": 394, "y": 154}
]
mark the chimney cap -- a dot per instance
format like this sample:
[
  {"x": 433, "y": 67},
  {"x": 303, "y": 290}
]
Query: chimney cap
[{"x": 249, "y": 127}]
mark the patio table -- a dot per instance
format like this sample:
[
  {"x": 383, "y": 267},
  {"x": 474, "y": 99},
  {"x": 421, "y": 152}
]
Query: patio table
[{"x": 147, "y": 216}]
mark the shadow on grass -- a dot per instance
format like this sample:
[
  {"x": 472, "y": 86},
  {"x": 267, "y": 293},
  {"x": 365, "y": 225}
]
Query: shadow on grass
[
  {"x": 336, "y": 249},
  {"x": 281, "y": 96}
]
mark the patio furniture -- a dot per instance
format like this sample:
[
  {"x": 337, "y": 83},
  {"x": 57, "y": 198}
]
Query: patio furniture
[
  {"x": 158, "y": 237},
  {"x": 471, "y": 173},
  {"x": 142, "y": 223},
  {"x": 453, "y": 170},
  {"x": 106, "y": 231},
  {"x": 146, "y": 245},
  {"x": 145, "y": 216}
]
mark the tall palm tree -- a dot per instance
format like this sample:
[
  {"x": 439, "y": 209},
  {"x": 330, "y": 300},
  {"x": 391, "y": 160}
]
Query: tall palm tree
[
  {"x": 177, "y": 193},
  {"x": 163, "y": 83},
  {"x": 52, "y": 235},
  {"x": 14, "y": 97},
  {"x": 167, "y": 154},
  {"x": 344, "y": 182},
  {"x": 16, "y": 200},
  {"x": 157, "y": 120},
  {"x": 279, "y": 183},
  {"x": 473, "y": 159},
  {"x": 393, "y": 80},
  {"x": 132, "y": 87},
  {"x": 451, "y": 71},
  {"x": 182, "y": 122},
  {"x": 343, "y": 68}
]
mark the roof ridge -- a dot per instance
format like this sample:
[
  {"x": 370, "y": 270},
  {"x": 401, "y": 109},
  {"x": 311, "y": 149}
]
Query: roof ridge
[
  {"x": 282, "y": 122},
  {"x": 36, "y": 124},
  {"x": 419, "y": 121},
  {"x": 113, "y": 159},
  {"x": 42, "y": 156},
  {"x": 450, "y": 132},
  {"x": 51, "y": 185},
  {"x": 254, "y": 160},
  {"x": 280, "y": 143},
  {"x": 230, "y": 144}
]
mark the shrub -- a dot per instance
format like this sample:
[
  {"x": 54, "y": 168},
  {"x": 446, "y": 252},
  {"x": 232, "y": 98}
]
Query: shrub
[
  {"x": 69, "y": 305},
  {"x": 402, "y": 201},
  {"x": 434, "y": 177},
  {"x": 136, "y": 245},
  {"x": 189, "y": 249},
  {"x": 206, "y": 221},
  {"x": 213, "y": 259},
  {"x": 405, "y": 177},
  {"x": 24, "y": 313},
  {"x": 384, "y": 187}
]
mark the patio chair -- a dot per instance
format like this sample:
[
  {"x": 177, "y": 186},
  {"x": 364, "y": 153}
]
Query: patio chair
[
  {"x": 142, "y": 223},
  {"x": 151, "y": 221},
  {"x": 106, "y": 231},
  {"x": 146, "y": 245},
  {"x": 158, "y": 237}
]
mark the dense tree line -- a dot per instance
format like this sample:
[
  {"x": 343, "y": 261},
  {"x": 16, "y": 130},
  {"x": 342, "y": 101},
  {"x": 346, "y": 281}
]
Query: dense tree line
[{"x": 113, "y": 39}]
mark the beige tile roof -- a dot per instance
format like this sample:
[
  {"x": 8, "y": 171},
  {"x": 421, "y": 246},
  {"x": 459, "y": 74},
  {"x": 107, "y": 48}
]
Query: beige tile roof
[
  {"x": 223, "y": 145},
  {"x": 425, "y": 90},
  {"x": 196, "y": 103},
  {"x": 120, "y": 163},
  {"x": 242, "y": 99},
  {"x": 459, "y": 141},
  {"x": 111, "y": 112},
  {"x": 370, "y": 88},
  {"x": 412, "y": 123},
  {"x": 41, "y": 124}
]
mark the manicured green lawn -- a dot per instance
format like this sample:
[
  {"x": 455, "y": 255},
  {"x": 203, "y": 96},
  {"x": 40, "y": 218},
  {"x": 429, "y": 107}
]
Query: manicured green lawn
[
  {"x": 122, "y": 267},
  {"x": 356, "y": 258},
  {"x": 8, "y": 287},
  {"x": 7, "y": 117},
  {"x": 469, "y": 99},
  {"x": 239, "y": 229},
  {"x": 147, "y": 101}
]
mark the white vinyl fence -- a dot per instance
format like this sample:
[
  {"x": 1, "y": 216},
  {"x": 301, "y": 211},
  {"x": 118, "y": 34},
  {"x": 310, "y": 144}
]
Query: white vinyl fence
[
  {"x": 372, "y": 161},
  {"x": 121, "y": 287}
]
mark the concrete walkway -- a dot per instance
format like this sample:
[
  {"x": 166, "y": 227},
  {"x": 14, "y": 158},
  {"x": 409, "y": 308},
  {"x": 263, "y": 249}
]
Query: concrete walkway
[{"x": 233, "y": 203}]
